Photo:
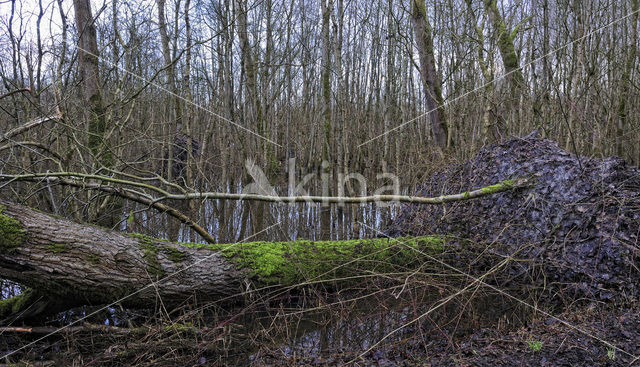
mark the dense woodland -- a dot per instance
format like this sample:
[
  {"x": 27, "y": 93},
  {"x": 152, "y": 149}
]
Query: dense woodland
[
  {"x": 312, "y": 80},
  {"x": 114, "y": 112}
]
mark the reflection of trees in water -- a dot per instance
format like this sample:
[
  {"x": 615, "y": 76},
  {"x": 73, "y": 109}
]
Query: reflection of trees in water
[
  {"x": 180, "y": 156},
  {"x": 353, "y": 327},
  {"x": 9, "y": 289},
  {"x": 233, "y": 221}
]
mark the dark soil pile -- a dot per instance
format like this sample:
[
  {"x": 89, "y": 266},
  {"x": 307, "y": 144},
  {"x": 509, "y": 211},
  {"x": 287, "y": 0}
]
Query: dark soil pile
[
  {"x": 596, "y": 336},
  {"x": 578, "y": 223}
]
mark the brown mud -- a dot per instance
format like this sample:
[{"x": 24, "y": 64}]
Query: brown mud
[{"x": 575, "y": 232}]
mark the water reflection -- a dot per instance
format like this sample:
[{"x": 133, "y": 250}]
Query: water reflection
[
  {"x": 350, "y": 329},
  {"x": 233, "y": 221},
  {"x": 9, "y": 289}
]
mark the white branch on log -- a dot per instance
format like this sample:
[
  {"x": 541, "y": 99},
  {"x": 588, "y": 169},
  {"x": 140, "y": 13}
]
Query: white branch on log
[{"x": 473, "y": 194}]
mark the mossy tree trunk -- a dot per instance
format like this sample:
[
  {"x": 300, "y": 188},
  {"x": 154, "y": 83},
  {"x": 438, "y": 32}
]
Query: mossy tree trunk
[
  {"x": 66, "y": 264},
  {"x": 506, "y": 46},
  {"x": 492, "y": 124},
  {"x": 511, "y": 62},
  {"x": 621, "y": 128},
  {"x": 105, "y": 212},
  {"x": 88, "y": 65},
  {"x": 73, "y": 264}
]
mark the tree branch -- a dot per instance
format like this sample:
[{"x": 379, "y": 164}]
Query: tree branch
[
  {"x": 505, "y": 185},
  {"x": 29, "y": 125}
]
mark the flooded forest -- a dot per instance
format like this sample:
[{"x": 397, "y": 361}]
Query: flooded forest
[{"x": 332, "y": 182}]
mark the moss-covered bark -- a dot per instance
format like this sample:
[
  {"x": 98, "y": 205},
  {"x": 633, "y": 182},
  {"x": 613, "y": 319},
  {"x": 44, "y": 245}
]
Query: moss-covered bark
[
  {"x": 11, "y": 233},
  {"x": 296, "y": 262},
  {"x": 88, "y": 53},
  {"x": 506, "y": 46},
  {"x": 13, "y": 304},
  {"x": 69, "y": 264},
  {"x": 28, "y": 306}
]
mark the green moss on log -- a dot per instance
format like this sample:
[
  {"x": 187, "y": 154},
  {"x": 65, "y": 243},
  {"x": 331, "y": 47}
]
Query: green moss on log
[
  {"x": 56, "y": 248},
  {"x": 498, "y": 187},
  {"x": 150, "y": 255},
  {"x": 11, "y": 233},
  {"x": 145, "y": 239},
  {"x": 152, "y": 248},
  {"x": 508, "y": 183},
  {"x": 298, "y": 261},
  {"x": 173, "y": 254},
  {"x": 151, "y": 258},
  {"x": 180, "y": 327},
  {"x": 15, "y": 304},
  {"x": 295, "y": 262}
]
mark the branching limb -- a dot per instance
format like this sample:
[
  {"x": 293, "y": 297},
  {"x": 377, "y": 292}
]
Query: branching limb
[
  {"x": 123, "y": 192},
  {"x": 484, "y": 191},
  {"x": 505, "y": 185},
  {"x": 81, "y": 180},
  {"x": 29, "y": 125}
]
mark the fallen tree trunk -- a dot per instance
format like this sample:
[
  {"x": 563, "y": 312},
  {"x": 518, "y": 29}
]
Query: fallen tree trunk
[
  {"x": 84, "y": 264},
  {"x": 66, "y": 264}
]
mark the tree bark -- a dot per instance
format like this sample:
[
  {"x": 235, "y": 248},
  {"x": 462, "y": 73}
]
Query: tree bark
[
  {"x": 507, "y": 49},
  {"x": 170, "y": 64},
  {"x": 77, "y": 264},
  {"x": 430, "y": 77},
  {"x": 327, "y": 164},
  {"x": 104, "y": 212},
  {"x": 492, "y": 127},
  {"x": 251, "y": 74},
  {"x": 88, "y": 64},
  {"x": 622, "y": 127}
]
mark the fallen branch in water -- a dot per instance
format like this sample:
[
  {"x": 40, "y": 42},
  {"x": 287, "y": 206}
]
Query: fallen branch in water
[
  {"x": 505, "y": 185},
  {"x": 71, "y": 329}
]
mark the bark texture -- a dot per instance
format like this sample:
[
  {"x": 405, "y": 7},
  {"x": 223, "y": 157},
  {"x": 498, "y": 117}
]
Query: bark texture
[
  {"x": 84, "y": 264},
  {"x": 506, "y": 46},
  {"x": 88, "y": 64},
  {"x": 430, "y": 77}
]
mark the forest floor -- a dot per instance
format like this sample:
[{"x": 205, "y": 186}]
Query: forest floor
[
  {"x": 589, "y": 336},
  {"x": 592, "y": 335}
]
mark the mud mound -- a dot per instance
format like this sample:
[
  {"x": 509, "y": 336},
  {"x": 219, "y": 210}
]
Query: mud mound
[
  {"x": 579, "y": 222},
  {"x": 549, "y": 342}
]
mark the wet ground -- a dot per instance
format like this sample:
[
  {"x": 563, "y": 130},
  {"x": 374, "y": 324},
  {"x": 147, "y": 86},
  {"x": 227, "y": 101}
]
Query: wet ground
[
  {"x": 593, "y": 335},
  {"x": 597, "y": 335}
]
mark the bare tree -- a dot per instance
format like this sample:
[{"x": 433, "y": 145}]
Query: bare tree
[
  {"x": 88, "y": 55},
  {"x": 430, "y": 78},
  {"x": 623, "y": 128}
]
